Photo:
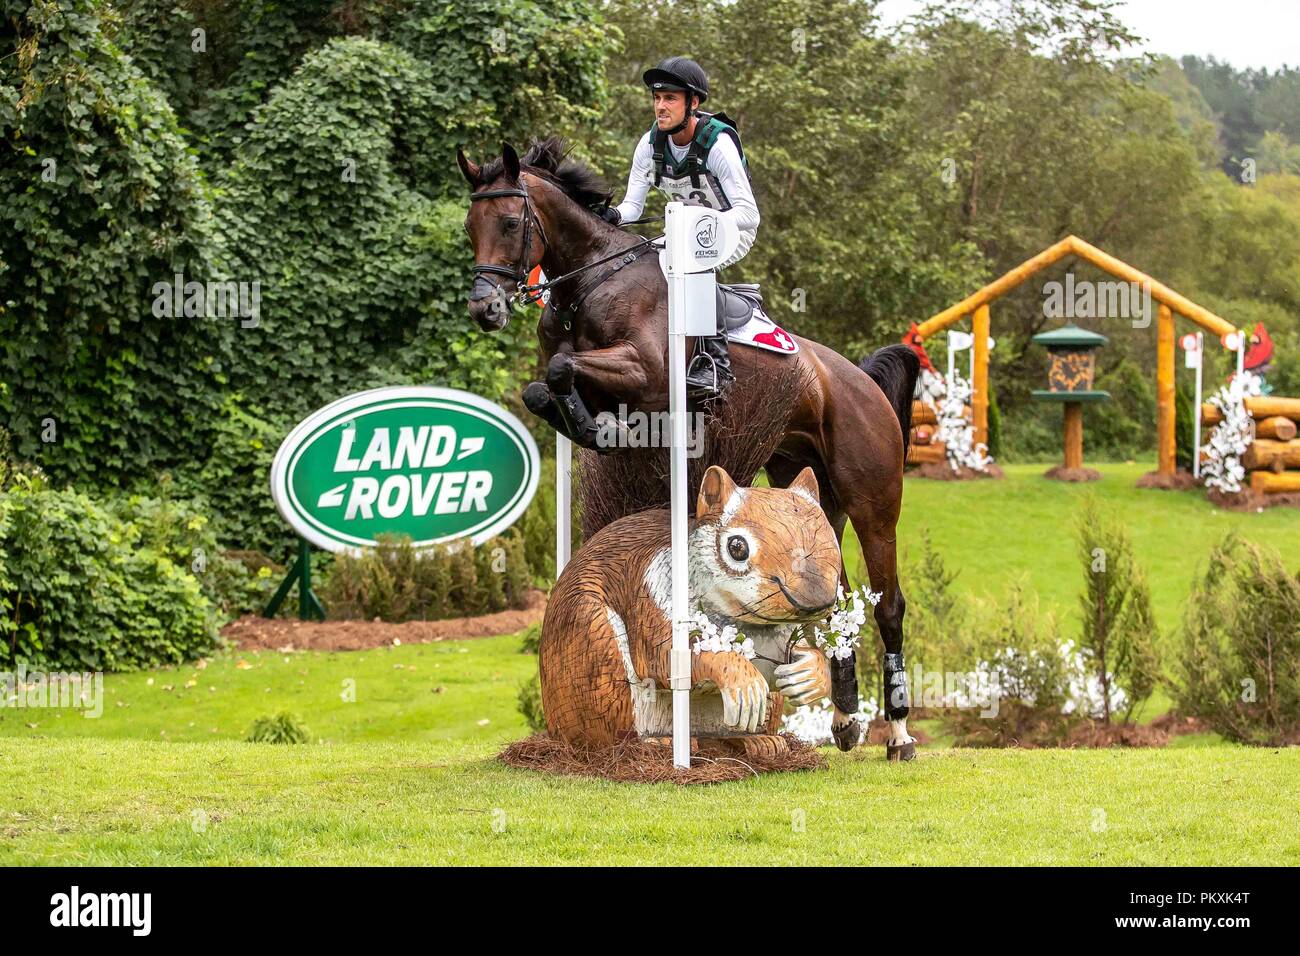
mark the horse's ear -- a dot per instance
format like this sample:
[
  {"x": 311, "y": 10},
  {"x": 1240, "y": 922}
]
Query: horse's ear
[
  {"x": 467, "y": 168},
  {"x": 511, "y": 160},
  {"x": 715, "y": 491},
  {"x": 806, "y": 482}
]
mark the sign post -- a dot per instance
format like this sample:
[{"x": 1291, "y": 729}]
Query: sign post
[
  {"x": 697, "y": 241},
  {"x": 434, "y": 464},
  {"x": 1194, "y": 348}
]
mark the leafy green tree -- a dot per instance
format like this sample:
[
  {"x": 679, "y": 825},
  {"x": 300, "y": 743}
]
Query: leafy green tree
[{"x": 844, "y": 251}]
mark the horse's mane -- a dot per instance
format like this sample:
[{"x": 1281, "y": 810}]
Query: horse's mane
[{"x": 551, "y": 158}]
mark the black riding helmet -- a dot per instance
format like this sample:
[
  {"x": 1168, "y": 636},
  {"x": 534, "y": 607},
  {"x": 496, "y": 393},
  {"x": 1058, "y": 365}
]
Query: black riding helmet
[{"x": 678, "y": 73}]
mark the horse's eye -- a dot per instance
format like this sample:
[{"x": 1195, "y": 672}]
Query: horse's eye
[
  {"x": 511, "y": 223},
  {"x": 738, "y": 548}
]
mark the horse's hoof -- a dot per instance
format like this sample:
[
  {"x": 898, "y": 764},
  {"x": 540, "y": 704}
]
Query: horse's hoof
[
  {"x": 559, "y": 374},
  {"x": 538, "y": 398},
  {"x": 847, "y": 735},
  {"x": 905, "y": 751}
]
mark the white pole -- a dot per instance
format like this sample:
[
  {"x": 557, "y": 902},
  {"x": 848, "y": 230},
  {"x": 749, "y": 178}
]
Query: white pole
[
  {"x": 1241, "y": 351},
  {"x": 680, "y": 661},
  {"x": 681, "y": 653},
  {"x": 563, "y": 502},
  {"x": 1200, "y": 369}
]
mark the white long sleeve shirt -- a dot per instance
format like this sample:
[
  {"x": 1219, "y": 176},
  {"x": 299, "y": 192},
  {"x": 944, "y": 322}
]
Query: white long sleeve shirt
[{"x": 724, "y": 162}]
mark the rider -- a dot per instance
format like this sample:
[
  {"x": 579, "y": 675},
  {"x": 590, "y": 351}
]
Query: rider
[{"x": 695, "y": 158}]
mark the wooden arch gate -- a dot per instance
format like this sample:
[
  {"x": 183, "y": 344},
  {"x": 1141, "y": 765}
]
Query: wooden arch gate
[{"x": 1171, "y": 303}]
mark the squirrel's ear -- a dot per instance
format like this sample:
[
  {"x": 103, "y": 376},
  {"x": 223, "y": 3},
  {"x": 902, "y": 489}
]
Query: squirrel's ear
[
  {"x": 715, "y": 491},
  {"x": 806, "y": 482}
]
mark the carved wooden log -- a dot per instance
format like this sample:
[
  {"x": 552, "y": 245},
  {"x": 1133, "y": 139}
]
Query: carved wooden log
[
  {"x": 1259, "y": 406},
  {"x": 1269, "y": 483},
  {"x": 1277, "y": 455},
  {"x": 1279, "y": 427},
  {"x": 925, "y": 454},
  {"x": 923, "y": 414},
  {"x": 604, "y": 654}
]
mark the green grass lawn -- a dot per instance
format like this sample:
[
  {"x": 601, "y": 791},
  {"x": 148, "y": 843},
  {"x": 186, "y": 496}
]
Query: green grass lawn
[
  {"x": 461, "y": 690},
  {"x": 995, "y": 531},
  {"x": 96, "y": 801},
  {"x": 404, "y": 772}
]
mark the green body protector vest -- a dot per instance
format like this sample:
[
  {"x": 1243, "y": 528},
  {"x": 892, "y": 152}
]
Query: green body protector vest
[{"x": 690, "y": 181}]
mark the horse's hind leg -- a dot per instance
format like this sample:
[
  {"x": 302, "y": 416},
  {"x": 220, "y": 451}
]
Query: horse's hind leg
[
  {"x": 871, "y": 492},
  {"x": 879, "y": 547}
]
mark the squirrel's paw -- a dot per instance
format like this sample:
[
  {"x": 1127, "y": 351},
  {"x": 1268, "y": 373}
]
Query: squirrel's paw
[
  {"x": 805, "y": 679},
  {"x": 744, "y": 705}
]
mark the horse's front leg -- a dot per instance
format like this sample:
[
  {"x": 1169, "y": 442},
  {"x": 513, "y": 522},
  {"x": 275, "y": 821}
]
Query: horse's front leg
[
  {"x": 618, "y": 371},
  {"x": 623, "y": 371}
]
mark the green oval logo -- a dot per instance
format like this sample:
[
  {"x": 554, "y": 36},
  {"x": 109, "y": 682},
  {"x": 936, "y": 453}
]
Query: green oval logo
[{"x": 436, "y": 464}]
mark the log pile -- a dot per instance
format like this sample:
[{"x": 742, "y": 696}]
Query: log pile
[
  {"x": 923, "y": 447},
  {"x": 1273, "y": 458}
]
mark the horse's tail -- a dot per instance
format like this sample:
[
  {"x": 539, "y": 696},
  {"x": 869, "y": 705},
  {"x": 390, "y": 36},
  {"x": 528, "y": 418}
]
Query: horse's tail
[{"x": 894, "y": 368}]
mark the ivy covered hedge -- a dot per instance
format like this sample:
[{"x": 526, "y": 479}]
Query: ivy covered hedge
[{"x": 308, "y": 148}]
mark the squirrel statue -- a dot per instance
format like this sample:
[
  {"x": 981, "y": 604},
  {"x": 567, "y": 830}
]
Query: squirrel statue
[{"x": 763, "y": 559}]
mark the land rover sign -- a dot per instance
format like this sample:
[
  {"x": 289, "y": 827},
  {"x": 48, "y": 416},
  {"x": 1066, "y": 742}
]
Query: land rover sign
[{"x": 436, "y": 464}]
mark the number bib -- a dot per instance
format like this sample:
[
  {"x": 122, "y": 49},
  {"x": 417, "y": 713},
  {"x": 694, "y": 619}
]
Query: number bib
[{"x": 708, "y": 193}]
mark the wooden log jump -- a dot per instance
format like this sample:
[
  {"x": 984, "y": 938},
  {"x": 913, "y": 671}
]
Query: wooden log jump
[
  {"x": 1272, "y": 483},
  {"x": 1273, "y": 455}
]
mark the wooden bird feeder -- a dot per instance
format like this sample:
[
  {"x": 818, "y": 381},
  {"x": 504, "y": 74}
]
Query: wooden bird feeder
[{"x": 1069, "y": 381}]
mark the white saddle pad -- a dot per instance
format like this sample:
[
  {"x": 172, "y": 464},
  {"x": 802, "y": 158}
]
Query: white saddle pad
[{"x": 762, "y": 333}]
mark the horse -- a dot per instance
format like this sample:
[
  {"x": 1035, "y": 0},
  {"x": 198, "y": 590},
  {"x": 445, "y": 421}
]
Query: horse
[{"x": 604, "y": 337}]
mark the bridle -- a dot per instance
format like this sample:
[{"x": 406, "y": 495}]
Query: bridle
[
  {"x": 527, "y": 294},
  {"x": 520, "y": 272}
]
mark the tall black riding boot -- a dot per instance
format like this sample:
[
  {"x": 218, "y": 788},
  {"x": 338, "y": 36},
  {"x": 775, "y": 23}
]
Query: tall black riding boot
[{"x": 710, "y": 370}]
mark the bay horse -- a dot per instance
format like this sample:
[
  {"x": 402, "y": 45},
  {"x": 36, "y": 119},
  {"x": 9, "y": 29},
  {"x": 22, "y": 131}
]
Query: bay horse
[{"x": 604, "y": 336}]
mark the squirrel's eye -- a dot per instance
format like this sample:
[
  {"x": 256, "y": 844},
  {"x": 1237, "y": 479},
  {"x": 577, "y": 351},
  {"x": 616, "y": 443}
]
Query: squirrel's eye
[{"x": 737, "y": 547}]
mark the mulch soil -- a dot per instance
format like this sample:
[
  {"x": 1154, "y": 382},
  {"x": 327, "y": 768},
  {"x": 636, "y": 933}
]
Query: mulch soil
[
  {"x": 942, "y": 471},
  {"x": 1248, "y": 500},
  {"x": 284, "y": 634},
  {"x": 642, "y": 761}
]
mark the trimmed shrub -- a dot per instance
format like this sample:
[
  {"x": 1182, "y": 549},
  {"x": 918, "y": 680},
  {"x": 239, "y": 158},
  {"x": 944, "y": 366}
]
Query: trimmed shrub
[
  {"x": 83, "y": 588},
  {"x": 1239, "y": 666},
  {"x": 529, "y": 701},
  {"x": 395, "y": 582}
]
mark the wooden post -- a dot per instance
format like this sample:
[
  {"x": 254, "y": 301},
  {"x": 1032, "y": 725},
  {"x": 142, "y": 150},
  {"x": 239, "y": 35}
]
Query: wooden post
[
  {"x": 980, "y": 387},
  {"x": 1166, "y": 443},
  {"x": 1074, "y": 434}
]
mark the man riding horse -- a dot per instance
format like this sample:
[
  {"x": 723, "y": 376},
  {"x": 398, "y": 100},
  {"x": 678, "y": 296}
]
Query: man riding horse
[
  {"x": 695, "y": 158},
  {"x": 604, "y": 341}
]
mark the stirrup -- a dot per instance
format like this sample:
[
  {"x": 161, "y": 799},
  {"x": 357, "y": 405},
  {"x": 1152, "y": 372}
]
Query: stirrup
[{"x": 702, "y": 389}]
